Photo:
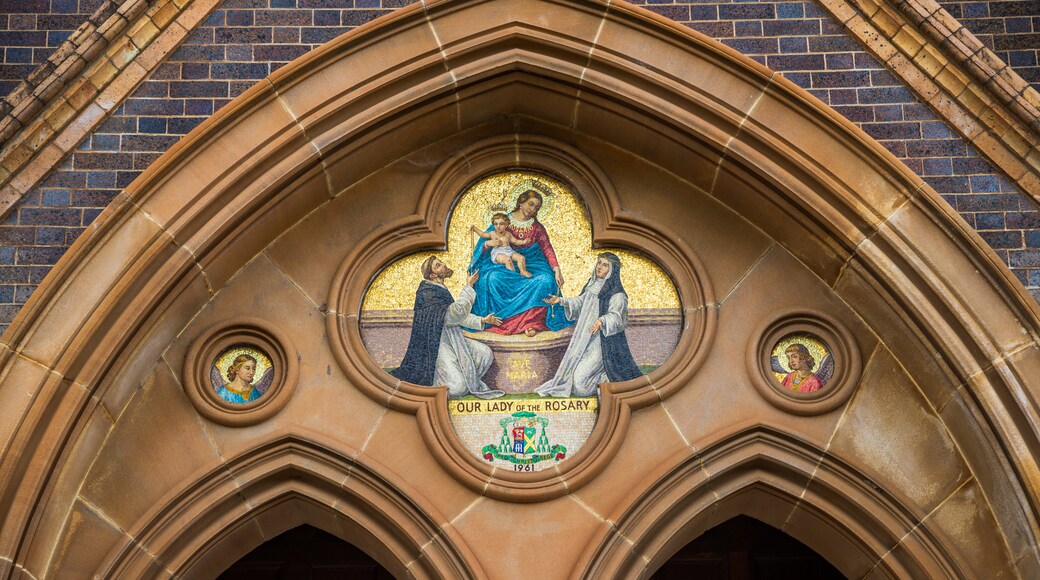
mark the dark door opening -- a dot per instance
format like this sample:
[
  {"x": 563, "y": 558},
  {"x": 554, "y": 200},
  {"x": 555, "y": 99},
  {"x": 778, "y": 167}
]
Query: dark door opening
[
  {"x": 744, "y": 548},
  {"x": 305, "y": 553}
]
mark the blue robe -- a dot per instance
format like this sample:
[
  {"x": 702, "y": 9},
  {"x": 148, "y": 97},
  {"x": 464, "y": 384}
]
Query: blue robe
[{"x": 506, "y": 293}]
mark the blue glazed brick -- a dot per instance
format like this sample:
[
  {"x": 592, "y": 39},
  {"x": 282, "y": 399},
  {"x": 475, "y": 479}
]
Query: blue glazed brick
[
  {"x": 125, "y": 178},
  {"x": 1024, "y": 258},
  {"x": 18, "y": 56},
  {"x": 1003, "y": 240},
  {"x": 794, "y": 45},
  {"x": 49, "y": 236},
  {"x": 55, "y": 38},
  {"x": 39, "y": 255},
  {"x": 22, "y": 293},
  {"x": 104, "y": 142},
  {"x": 747, "y": 28},
  {"x": 215, "y": 19},
  {"x": 283, "y": 3},
  {"x": 7, "y": 255},
  {"x": 38, "y": 273},
  {"x": 198, "y": 107},
  {"x": 984, "y": 184},
  {"x": 936, "y": 130},
  {"x": 840, "y": 61},
  {"x": 151, "y": 125},
  {"x": 704, "y": 12},
  {"x": 225, "y": 70},
  {"x": 64, "y": 6},
  {"x": 843, "y": 96},
  {"x": 1032, "y": 239},
  {"x": 89, "y": 215},
  {"x": 56, "y": 198},
  {"x": 366, "y": 3},
  {"x": 184, "y": 125},
  {"x": 326, "y": 18},
  {"x": 14, "y": 275},
  {"x": 746, "y": 11},
  {"x": 953, "y": 184},
  {"x": 239, "y": 18},
  {"x": 939, "y": 166},
  {"x": 989, "y": 221},
  {"x": 677, "y": 13},
  {"x": 7, "y": 293},
  {"x": 239, "y": 52},
  {"x": 886, "y": 95},
  {"x": 798, "y": 62},
  {"x": 975, "y": 9},
  {"x": 1013, "y": 25},
  {"x": 987, "y": 202},
  {"x": 790, "y": 10},
  {"x": 194, "y": 70},
  {"x": 47, "y": 216},
  {"x": 1019, "y": 58}
]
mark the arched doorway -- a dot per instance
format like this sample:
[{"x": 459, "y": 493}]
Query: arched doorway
[
  {"x": 744, "y": 548},
  {"x": 305, "y": 552}
]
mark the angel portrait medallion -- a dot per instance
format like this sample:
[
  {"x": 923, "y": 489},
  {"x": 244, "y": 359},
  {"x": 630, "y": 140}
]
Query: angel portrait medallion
[
  {"x": 802, "y": 363},
  {"x": 234, "y": 374}
]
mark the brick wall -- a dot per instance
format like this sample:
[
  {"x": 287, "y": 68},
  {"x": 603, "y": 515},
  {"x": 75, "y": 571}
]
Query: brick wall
[
  {"x": 245, "y": 40},
  {"x": 30, "y": 30},
  {"x": 1011, "y": 29}
]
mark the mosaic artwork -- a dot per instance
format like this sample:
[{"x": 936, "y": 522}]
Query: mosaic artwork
[
  {"x": 802, "y": 363},
  {"x": 241, "y": 374},
  {"x": 521, "y": 319}
]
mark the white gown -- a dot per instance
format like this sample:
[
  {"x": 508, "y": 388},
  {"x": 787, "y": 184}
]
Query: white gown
[
  {"x": 461, "y": 362},
  {"x": 582, "y": 370}
]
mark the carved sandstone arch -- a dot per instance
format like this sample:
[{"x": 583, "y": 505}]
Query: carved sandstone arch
[
  {"x": 761, "y": 473},
  {"x": 273, "y": 488},
  {"x": 408, "y": 91}
]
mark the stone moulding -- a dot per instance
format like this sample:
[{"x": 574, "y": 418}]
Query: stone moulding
[
  {"x": 884, "y": 242},
  {"x": 427, "y": 229},
  {"x": 986, "y": 101},
  {"x": 252, "y": 332},
  {"x": 834, "y": 334},
  {"x": 766, "y": 474},
  {"x": 83, "y": 82},
  {"x": 248, "y": 498}
]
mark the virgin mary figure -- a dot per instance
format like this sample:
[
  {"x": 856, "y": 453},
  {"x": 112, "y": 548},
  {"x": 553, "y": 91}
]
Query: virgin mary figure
[{"x": 507, "y": 294}]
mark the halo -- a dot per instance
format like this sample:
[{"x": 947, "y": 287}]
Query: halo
[
  {"x": 816, "y": 348},
  {"x": 548, "y": 197},
  {"x": 263, "y": 362}
]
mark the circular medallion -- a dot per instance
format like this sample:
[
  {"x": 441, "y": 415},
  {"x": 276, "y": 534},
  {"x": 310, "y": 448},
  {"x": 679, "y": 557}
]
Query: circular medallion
[
  {"x": 240, "y": 372},
  {"x": 804, "y": 363}
]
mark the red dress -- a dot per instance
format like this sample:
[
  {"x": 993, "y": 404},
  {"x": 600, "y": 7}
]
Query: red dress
[{"x": 809, "y": 384}]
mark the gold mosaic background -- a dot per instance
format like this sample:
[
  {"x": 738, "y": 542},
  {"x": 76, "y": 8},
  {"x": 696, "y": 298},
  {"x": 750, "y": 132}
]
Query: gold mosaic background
[{"x": 570, "y": 232}]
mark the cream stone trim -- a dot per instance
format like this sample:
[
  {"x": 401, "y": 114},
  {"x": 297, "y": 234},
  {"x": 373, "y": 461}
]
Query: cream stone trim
[
  {"x": 989, "y": 104},
  {"x": 108, "y": 62}
]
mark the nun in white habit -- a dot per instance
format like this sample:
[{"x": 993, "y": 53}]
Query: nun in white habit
[{"x": 598, "y": 350}]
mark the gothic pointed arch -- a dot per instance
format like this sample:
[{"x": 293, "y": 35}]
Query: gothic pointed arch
[{"x": 791, "y": 212}]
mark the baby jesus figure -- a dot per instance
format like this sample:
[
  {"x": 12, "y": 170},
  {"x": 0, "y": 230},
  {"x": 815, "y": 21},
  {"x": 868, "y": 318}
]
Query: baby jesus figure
[{"x": 501, "y": 242}]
